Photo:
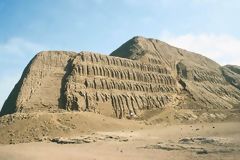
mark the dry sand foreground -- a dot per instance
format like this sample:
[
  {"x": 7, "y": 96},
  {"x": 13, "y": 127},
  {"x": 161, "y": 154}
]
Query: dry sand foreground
[{"x": 198, "y": 141}]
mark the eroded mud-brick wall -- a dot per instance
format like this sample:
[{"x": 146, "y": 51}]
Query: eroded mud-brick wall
[
  {"x": 141, "y": 74},
  {"x": 126, "y": 86}
]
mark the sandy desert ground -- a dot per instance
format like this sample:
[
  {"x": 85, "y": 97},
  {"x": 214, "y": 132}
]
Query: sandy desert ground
[{"x": 162, "y": 141}]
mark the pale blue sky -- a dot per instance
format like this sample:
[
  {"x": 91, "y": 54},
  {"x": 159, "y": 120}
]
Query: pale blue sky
[{"x": 29, "y": 26}]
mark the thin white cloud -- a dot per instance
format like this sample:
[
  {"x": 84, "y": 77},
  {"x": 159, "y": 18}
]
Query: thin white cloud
[
  {"x": 19, "y": 47},
  {"x": 224, "y": 49}
]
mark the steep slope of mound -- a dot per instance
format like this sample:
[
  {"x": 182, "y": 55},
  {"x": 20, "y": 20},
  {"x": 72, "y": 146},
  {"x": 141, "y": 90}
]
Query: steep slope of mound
[
  {"x": 40, "y": 85},
  {"x": 234, "y": 68},
  {"x": 202, "y": 77},
  {"x": 232, "y": 75},
  {"x": 142, "y": 75}
]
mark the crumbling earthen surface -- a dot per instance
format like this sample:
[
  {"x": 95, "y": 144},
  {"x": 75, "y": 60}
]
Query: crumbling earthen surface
[
  {"x": 143, "y": 74},
  {"x": 127, "y": 87}
]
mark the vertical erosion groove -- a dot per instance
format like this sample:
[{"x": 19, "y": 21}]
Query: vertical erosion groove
[{"x": 130, "y": 85}]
